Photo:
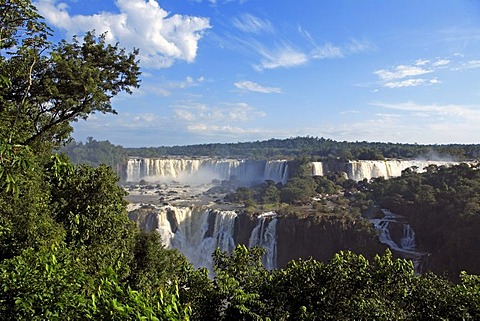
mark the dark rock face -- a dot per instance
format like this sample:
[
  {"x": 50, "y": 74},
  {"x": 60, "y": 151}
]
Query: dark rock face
[
  {"x": 244, "y": 226},
  {"x": 145, "y": 218},
  {"x": 304, "y": 238}
]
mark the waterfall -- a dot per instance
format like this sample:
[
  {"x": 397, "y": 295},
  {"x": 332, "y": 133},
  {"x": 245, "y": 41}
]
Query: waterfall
[
  {"x": 265, "y": 235},
  {"x": 317, "y": 169},
  {"x": 407, "y": 241},
  {"x": 204, "y": 170},
  {"x": 276, "y": 170},
  {"x": 406, "y": 246},
  {"x": 221, "y": 236},
  {"x": 367, "y": 169},
  {"x": 198, "y": 231}
]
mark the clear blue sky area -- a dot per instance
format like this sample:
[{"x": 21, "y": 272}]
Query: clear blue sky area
[{"x": 243, "y": 70}]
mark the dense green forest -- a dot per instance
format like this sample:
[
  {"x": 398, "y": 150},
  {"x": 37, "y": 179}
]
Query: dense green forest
[
  {"x": 314, "y": 147},
  {"x": 443, "y": 206},
  {"x": 69, "y": 251},
  {"x": 94, "y": 152}
]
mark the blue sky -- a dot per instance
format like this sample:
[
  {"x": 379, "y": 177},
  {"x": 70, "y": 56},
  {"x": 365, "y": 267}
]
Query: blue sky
[{"x": 243, "y": 70}]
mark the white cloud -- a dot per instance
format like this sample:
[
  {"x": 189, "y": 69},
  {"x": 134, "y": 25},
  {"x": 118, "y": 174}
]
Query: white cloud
[
  {"x": 451, "y": 110},
  {"x": 472, "y": 64},
  {"x": 412, "y": 82},
  {"x": 252, "y": 86},
  {"x": 407, "y": 75},
  {"x": 224, "y": 114},
  {"x": 422, "y": 62},
  {"x": 327, "y": 51},
  {"x": 214, "y": 130},
  {"x": 287, "y": 48},
  {"x": 252, "y": 24},
  {"x": 186, "y": 83},
  {"x": 441, "y": 62},
  {"x": 161, "y": 37},
  {"x": 401, "y": 71},
  {"x": 285, "y": 57},
  {"x": 406, "y": 83},
  {"x": 216, "y": 2},
  {"x": 358, "y": 46},
  {"x": 243, "y": 112}
]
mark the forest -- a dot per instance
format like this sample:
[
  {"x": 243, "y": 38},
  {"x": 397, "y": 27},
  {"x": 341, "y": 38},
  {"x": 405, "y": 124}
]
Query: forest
[
  {"x": 68, "y": 250},
  {"x": 92, "y": 151}
]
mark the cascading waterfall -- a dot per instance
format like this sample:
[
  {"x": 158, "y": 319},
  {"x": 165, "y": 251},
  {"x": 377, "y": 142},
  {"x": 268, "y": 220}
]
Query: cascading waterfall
[
  {"x": 368, "y": 169},
  {"x": 359, "y": 170},
  {"x": 407, "y": 245},
  {"x": 197, "y": 232},
  {"x": 220, "y": 237},
  {"x": 277, "y": 171},
  {"x": 265, "y": 235},
  {"x": 407, "y": 241},
  {"x": 204, "y": 170}
]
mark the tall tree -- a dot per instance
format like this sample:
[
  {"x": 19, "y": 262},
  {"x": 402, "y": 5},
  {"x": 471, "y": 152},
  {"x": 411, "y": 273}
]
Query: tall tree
[{"x": 45, "y": 86}]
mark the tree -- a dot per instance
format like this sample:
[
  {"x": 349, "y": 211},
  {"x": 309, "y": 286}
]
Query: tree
[
  {"x": 51, "y": 284},
  {"x": 46, "y": 86},
  {"x": 298, "y": 190},
  {"x": 91, "y": 207}
]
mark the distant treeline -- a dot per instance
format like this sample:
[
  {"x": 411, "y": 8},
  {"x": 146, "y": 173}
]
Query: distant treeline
[{"x": 93, "y": 151}]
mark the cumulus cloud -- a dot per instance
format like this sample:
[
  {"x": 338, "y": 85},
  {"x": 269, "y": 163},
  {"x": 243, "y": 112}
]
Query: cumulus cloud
[
  {"x": 162, "y": 37},
  {"x": 252, "y": 86}
]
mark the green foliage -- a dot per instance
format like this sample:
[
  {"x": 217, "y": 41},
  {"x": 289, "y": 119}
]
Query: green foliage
[
  {"x": 94, "y": 153},
  {"x": 238, "y": 284},
  {"x": 313, "y": 147},
  {"x": 154, "y": 267},
  {"x": 50, "y": 85},
  {"x": 44, "y": 284},
  {"x": 348, "y": 287},
  {"x": 442, "y": 205},
  {"x": 112, "y": 301},
  {"x": 50, "y": 284},
  {"x": 14, "y": 162},
  {"x": 298, "y": 190},
  {"x": 91, "y": 207}
]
